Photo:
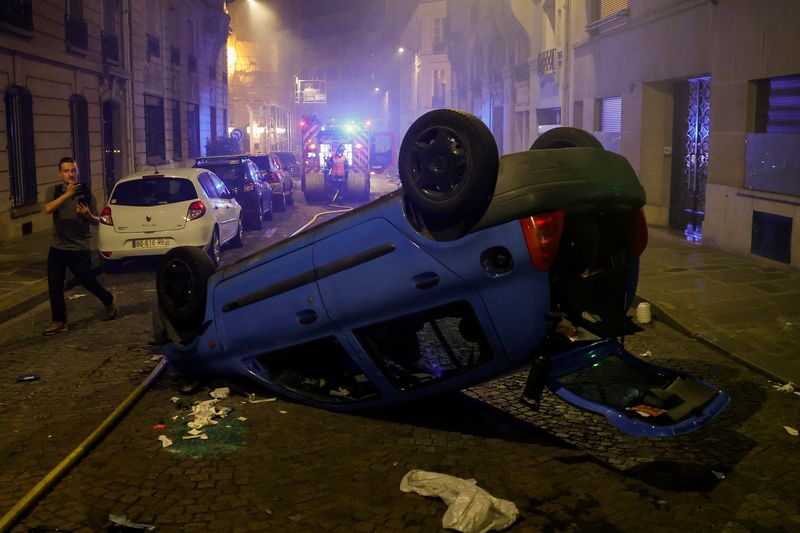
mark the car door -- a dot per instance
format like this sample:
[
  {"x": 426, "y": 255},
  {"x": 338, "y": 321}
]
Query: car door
[
  {"x": 404, "y": 310},
  {"x": 275, "y": 163},
  {"x": 221, "y": 208},
  {"x": 264, "y": 191}
]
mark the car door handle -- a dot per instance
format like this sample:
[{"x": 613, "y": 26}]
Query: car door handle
[
  {"x": 307, "y": 316},
  {"x": 426, "y": 280}
]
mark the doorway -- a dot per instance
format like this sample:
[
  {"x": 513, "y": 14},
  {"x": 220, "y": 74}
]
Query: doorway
[
  {"x": 112, "y": 145},
  {"x": 692, "y": 110}
]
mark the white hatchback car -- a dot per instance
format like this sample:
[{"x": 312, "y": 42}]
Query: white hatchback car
[{"x": 150, "y": 213}]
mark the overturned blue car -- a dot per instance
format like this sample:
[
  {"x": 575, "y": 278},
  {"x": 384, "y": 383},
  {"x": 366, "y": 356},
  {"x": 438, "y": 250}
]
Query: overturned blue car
[{"x": 460, "y": 276}]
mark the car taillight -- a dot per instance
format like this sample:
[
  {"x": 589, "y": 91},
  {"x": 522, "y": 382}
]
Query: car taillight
[
  {"x": 196, "y": 210},
  {"x": 639, "y": 233},
  {"x": 248, "y": 186},
  {"x": 105, "y": 216},
  {"x": 542, "y": 234}
]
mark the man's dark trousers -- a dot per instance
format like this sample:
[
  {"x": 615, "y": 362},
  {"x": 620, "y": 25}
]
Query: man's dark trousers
[{"x": 79, "y": 263}]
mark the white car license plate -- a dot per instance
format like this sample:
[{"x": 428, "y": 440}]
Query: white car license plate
[{"x": 150, "y": 243}]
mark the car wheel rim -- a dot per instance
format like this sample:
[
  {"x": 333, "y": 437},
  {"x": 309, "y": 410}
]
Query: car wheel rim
[
  {"x": 178, "y": 283},
  {"x": 439, "y": 163},
  {"x": 215, "y": 249}
]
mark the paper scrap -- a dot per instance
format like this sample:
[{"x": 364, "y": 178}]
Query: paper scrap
[
  {"x": 791, "y": 431},
  {"x": 220, "y": 393},
  {"x": 165, "y": 441}
]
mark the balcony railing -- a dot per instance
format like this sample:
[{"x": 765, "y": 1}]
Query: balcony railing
[
  {"x": 110, "y": 47},
  {"x": 76, "y": 33},
  {"x": 17, "y": 13},
  {"x": 153, "y": 46},
  {"x": 547, "y": 62}
]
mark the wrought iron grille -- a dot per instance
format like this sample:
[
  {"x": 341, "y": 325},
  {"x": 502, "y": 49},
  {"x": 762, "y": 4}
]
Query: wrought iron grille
[
  {"x": 175, "y": 55},
  {"x": 153, "y": 46},
  {"x": 696, "y": 162},
  {"x": 76, "y": 32},
  {"x": 547, "y": 62},
  {"x": 17, "y": 13},
  {"x": 21, "y": 155},
  {"x": 110, "y": 47}
]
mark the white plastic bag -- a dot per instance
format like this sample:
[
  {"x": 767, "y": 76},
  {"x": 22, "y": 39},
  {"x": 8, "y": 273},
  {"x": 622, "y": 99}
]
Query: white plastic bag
[{"x": 470, "y": 508}]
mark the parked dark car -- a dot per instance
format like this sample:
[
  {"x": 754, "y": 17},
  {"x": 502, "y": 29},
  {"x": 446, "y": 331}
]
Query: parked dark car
[
  {"x": 462, "y": 275},
  {"x": 244, "y": 180},
  {"x": 279, "y": 179},
  {"x": 290, "y": 164}
]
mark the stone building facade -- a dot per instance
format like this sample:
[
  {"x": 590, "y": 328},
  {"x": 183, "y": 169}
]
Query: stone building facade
[
  {"x": 702, "y": 97},
  {"x": 121, "y": 85}
]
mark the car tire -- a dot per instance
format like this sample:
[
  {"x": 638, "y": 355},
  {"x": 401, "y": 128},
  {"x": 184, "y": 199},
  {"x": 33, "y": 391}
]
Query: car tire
[
  {"x": 214, "y": 249},
  {"x": 268, "y": 212},
  {"x": 238, "y": 239},
  {"x": 448, "y": 165},
  {"x": 290, "y": 199},
  {"x": 182, "y": 287},
  {"x": 358, "y": 186},
  {"x": 315, "y": 186},
  {"x": 278, "y": 202},
  {"x": 566, "y": 137},
  {"x": 258, "y": 217}
]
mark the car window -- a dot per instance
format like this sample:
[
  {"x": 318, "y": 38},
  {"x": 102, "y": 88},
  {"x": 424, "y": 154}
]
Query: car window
[
  {"x": 219, "y": 187},
  {"x": 275, "y": 162},
  {"x": 208, "y": 185},
  {"x": 286, "y": 159},
  {"x": 320, "y": 369},
  {"x": 153, "y": 191},
  {"x": 261, "y": 162},
  {"x": 231, "y": 175},
  {"x": 254, "y": 171},
  {"x": 423, "y": 348}
]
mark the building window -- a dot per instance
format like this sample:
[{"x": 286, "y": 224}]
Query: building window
[
  {"x": 438, "y": 35},
  {"x": 193, "y": 129},
  {"x": 75, "y": 28},
  {"x": 778, "y": 105},
  {"x": 611, "y": 114},
  {"x": 177, "y": 128},
  {"x": 154, "y": 129},
  {"x": 109, "y": 36},
  {"x": 17, "y": 13},
  {"x": 212, "y": 118},
  {"x": 153, "y": 46},
  {"x": 607, "y": 8},
  {"x": 21, "y": 155},
  {"x": 439, "y": 89},
  {"x": 79, "y": 125}
]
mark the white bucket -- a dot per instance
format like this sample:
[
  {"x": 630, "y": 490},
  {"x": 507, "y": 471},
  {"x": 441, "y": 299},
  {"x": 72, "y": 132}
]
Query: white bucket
[{"x": 643, "y": 315}]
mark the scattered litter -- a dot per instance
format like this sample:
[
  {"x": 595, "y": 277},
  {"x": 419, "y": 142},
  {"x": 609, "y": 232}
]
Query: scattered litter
[
  {"x": 157, "y": 357},
  {"x": 282, "y": 412},
  {"x": 643, "y": 314},
  {"x": 76, "y": 296},
  {"x": 470, "y": 508},
  {"x": 341, "y": 391},
  {"x": 797, "y": 393},
  {"x": 201, "y": 436},
  {"x": 174, "y": 399},
  {"x": 262, "y": 400},
  {"x": 122, "y": 521},
  {"x": 595, "y": 319},
  {"x": 789, "y": 387},
  {"x": 719, "y": 475},
  {"x": 27, "y": 377},
  {"x": 220, "y": 393},
  {"x": 165, "y": 441},
  {"x": 648, "y": 353},
  {"x": 204, "y": 413},
  {"x": 242, "y": 419},
  {"x": 175, "y": 417},
  {"x": 194, "y": 432},
  {"x": 791, "y": 431},
  {"x": 160, "y": 426}
]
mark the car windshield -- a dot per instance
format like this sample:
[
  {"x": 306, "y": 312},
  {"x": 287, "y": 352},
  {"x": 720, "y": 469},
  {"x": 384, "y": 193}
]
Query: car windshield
[
  {"x": 231, "y": 175},
  {"x": 286, "y": 159},
  {"x": 261, "y": 161},
  {"x": 153, "y": 191}
]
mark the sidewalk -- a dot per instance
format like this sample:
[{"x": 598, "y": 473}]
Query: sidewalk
[{"x": 745, "y": 307}]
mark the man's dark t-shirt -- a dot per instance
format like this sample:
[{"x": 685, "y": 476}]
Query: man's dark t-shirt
[{"x": 70, "y": 230}]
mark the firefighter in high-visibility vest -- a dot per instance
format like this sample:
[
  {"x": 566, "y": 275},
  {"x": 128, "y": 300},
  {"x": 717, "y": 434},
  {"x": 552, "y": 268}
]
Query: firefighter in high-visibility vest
[{"x": 338, "y": 164}]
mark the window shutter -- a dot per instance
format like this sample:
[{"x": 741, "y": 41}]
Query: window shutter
[
  {"x": 609, "y": 7},
  {"x": 611, "y": 114}
]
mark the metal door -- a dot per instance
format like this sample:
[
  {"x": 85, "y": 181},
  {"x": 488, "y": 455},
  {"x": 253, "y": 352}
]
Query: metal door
[{"x": 690, "y": 157}]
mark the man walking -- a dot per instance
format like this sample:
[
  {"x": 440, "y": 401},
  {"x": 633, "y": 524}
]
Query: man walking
[{"x": 72, "y": 206}]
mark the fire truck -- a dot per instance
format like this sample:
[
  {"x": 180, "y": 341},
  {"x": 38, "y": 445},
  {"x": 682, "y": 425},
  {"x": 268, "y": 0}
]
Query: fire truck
[{"x": 367, "y": 154}]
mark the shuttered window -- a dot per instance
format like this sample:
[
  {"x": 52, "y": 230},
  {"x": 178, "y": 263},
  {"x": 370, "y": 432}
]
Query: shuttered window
[
  {"x": 609, "y": 7},
  {"x": 79, "y": 123},
  {"x": 778, "y": 105},
  {"x": 21, "y": 155},
  {"x": 154, "y": 129},
  {"x": 177, "y": 129},
  {"x": 193, "y": 129},
  {"x": 611, "y": 114}
]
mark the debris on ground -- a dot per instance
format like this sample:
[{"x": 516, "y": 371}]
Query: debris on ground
[
  {"x": 648, "y": 353},
  {"x": 252, "y": 399},
  {"x": 718, "y": 475},
  {"x": 28, "y": 377},
  {"x": 204, "y": 413},
  {"x": 174, "y": 399},
  {"x": 470, "y": 508},
  {"x": 220, "y": 393},
  {"x": 123, "y": 522},
  {"x": 161, "y": 425},
  {"x": 791, "y": 431},
  {"x": 76, "y": 296},
  {"x": 789, "y": 387},
  {"x": 165, "y": 441}
]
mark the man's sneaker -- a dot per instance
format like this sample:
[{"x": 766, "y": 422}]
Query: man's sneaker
[
  {"x": 54, "y": 328},
  {"x": 112, "y": 308}
]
